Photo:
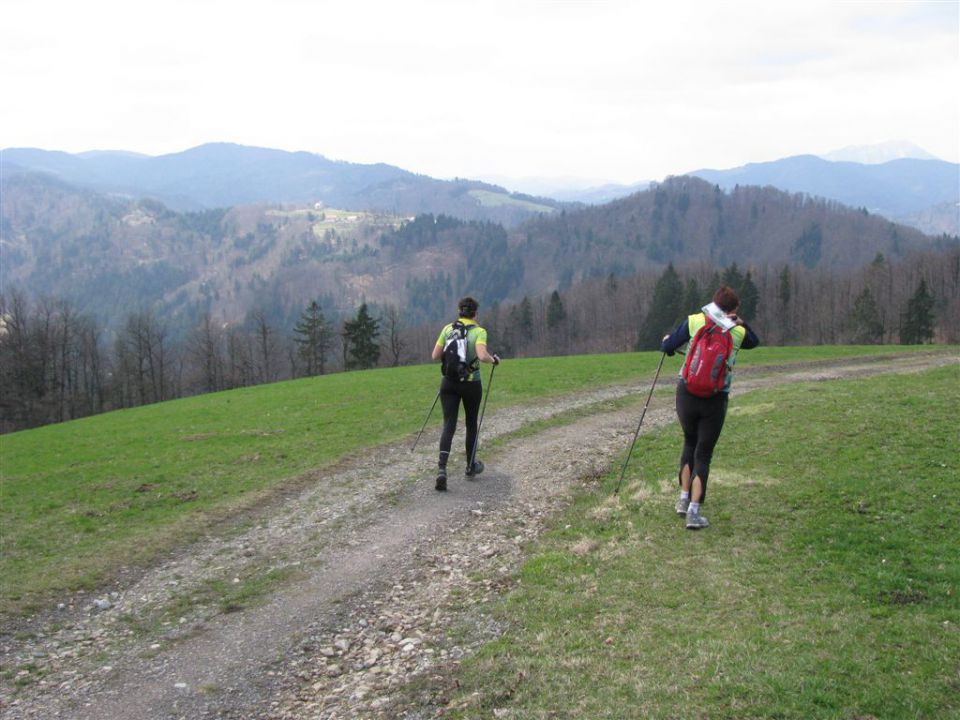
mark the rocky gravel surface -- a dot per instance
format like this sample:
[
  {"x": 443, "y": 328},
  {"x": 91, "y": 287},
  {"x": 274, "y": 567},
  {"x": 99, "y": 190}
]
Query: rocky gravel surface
[{"x": 381, "y": 585}]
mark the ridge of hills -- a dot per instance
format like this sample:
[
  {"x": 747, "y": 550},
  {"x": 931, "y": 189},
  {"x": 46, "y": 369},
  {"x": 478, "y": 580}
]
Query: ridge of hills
[
  {"x": 895, "y": 189},
  {"x": 897, "y": 180},
  {"x": 921, "y": 192},
  {"x": 219, "y": 175},
  {"x": 111, "y": 254}
]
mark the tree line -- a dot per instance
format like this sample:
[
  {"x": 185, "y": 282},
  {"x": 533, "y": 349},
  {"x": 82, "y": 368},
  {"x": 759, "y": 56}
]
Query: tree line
[
  {"x": 910, "y": 301},
  {"x": 57, "y": 363}
]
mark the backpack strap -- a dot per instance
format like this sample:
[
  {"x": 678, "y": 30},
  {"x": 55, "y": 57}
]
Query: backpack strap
[{"x": 474, "y": 364}]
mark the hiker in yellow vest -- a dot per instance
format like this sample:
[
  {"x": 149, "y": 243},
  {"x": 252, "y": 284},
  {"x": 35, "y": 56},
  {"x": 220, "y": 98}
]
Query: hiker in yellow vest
[
  {"x": 469, "y": 392},
  {"x": 702, "y": 417}
]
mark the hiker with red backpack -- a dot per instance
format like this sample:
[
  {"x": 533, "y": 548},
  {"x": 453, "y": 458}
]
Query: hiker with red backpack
[
  {"x": 461, "y": 347},
  {"x": 714, "y": 336}
]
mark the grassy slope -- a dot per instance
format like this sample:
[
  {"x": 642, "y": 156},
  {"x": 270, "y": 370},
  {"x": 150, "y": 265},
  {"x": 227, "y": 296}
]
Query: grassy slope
[
  {"x": 80, "y": 499},
  {"x": 827, "y": 586}
]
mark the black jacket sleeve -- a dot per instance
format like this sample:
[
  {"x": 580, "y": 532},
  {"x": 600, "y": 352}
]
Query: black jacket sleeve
[
  {"x": 677, "y": 339},
  {"x": 750, "y": 340}
]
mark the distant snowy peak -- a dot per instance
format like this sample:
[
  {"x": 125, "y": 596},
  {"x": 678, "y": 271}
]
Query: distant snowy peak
[{"x": 880, "y": 153}]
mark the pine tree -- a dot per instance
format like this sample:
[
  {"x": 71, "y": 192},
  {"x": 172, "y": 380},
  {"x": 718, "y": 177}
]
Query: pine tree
[
  {"x": 865, "y": 324},
  {"x": 692, "y": 297},
  {"x": 749, "y": 297},
  {"x": 918, "y": 318},
  {"x": 732, "y": 277},
  {"x": 666, "y": 311},
  {"x": 312, "y": 334},
  {"x": 361, "y": 349},
  {"x": 521, "y": 323},
  {"x": 784, "y": 290},
  {"x": 555, "y": 312},
  {"x": 526, "y": 317}
]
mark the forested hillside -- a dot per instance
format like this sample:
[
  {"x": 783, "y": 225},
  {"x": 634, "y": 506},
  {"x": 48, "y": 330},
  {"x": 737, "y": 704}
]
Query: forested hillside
[
  {"x": 110, "y": 302},
  {"x": 687, "y": 219},
  {"x": 903, "y": 190},
  {"x": 108, "y": 255}
]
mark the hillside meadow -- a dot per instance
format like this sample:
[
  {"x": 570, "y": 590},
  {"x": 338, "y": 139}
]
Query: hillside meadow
[
  {"x": 827, "y": 587},
  {"x": 81, "y": 499}
]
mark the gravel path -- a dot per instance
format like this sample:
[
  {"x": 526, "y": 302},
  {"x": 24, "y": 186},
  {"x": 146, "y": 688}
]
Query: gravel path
[{"x": 378, "y": 570}]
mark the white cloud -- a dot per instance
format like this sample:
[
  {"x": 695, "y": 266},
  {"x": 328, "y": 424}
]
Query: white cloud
[{"x": 611, "y": 90}]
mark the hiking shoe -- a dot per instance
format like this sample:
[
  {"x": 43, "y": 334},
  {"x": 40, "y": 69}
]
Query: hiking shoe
[
  {"x": 683, "y": 506},
  {"x": 441, "y": 479},
  {"x": 475, "y": 470},
  {"x": 696, "y": 521}
]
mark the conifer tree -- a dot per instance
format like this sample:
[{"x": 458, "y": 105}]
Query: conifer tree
[
  {"x": 918, "y": 318},
  {"x": 785, "y": 289},
  {"x": 732, "y": 277},
  {"x": 361, "y": 349},
  {"x": 665, "y": 312},
  {"x": 749, "y": 297},
  {"x": 312, "y": 335},
  {"x": 785, "y": 292},
  {"x": 555, "y": 312},
  {"x": 865, "y": 324},
  {"x": 526, "y": 317},
  {"x": 692, "y": 297}
]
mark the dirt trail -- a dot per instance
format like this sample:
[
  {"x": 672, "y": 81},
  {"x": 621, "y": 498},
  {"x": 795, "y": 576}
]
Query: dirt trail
[{"x": 381, "y": 567}]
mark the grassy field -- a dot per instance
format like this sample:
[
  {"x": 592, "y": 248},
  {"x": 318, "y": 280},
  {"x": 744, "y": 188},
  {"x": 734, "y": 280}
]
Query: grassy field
[
  {"x": 492, "y": 199},
  {"x": 827, "y": 587},
  {"x": 80, "y": 499}
]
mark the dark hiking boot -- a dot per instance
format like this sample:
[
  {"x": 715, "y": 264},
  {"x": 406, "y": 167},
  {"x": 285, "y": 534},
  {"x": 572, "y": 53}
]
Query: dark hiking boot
[
  {"x": 476, "y": 469},
  {"x": 441, "y": 479}
]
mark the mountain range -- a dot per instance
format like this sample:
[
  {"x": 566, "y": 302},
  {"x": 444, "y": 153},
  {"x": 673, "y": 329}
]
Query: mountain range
[
  {"x": 111, "y": 254},
  {"x": 222, "y": 175},
  {"x": 897, "y": 180},
  {"x": 902, "y": 190}
]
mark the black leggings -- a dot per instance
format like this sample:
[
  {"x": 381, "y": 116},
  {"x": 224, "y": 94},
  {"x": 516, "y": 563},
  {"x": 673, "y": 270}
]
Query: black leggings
[
  {"x": 701, "y": 420},
  {"x": 451, "y": 394}
]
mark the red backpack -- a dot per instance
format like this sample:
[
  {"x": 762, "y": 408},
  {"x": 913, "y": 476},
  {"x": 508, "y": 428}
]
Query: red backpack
[{"x": 705, "y": 369}]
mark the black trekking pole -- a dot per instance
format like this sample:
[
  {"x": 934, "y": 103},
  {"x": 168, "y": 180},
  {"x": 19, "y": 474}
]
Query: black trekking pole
[
  {"x": 426, "y": 420},
  {"x": 476, "y": 440},
  {"x": 642, "y": 415}
]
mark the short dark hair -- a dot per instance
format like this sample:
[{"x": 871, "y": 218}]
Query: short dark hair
[
  {"x": 726, "y": 298},
  {"x": 467, "y": 307}
]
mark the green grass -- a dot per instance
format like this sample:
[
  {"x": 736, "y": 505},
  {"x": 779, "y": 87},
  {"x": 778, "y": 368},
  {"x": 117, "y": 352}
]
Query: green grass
[
  {"x": 826, "y": 588},
  {"x": 487, "y": 198},
  {"x": 81, "y": 499}
]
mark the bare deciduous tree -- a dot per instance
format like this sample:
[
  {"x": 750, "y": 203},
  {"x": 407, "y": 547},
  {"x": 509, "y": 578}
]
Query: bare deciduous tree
[{"x": 393, "y": 324}]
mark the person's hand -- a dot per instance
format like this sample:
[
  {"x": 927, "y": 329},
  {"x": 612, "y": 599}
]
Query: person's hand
[
  {"x": 496, "y": 359},
  {"x": 662, "y": 341}
]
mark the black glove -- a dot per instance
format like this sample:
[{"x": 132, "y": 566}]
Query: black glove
[
  {"x": 496, "y": 359},
  {"x": 662, "y": 341}
]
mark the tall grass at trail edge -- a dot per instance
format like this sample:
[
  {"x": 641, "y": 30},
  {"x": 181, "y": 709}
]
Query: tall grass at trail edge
[
  {"x": 827, "y": 587},
  {"x": 81, "y": 499}
]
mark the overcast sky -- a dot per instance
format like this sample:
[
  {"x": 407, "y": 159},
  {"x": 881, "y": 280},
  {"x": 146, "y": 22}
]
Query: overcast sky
[{"x": 603, "y": 91}]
